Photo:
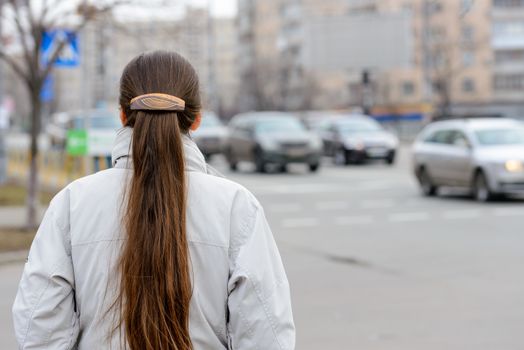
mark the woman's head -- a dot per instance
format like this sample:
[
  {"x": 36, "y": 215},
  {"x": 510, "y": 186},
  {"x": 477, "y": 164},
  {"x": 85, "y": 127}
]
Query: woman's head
[
  {"x": 161, "y": 72},
  {"x": 155, "y": 284}
]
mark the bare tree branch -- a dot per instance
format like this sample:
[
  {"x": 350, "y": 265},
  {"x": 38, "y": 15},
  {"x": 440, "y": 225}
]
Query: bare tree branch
[
  {"x": 30, "y": 16},
  {"x": 15, "y": 67},
  {"x": 88, "y": 14},
  {"x": 52, "y": 22},
  {"x": 22, "y": 33},
  {"x": 45, "y": 9}
]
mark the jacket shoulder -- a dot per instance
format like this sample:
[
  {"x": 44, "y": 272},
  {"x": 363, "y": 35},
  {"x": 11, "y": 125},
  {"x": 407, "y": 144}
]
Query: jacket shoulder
[
  {"x": 222, "y": 187},
  {"x": 226, "y": 200}
]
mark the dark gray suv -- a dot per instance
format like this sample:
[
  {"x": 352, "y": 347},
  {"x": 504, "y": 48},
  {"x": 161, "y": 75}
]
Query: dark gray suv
[{"x": 272, "y": 138}]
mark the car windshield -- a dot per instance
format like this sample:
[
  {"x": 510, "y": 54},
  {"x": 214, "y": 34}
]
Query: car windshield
[
  {"x": 357, "y": 126},
  {"x": 497, "y": 137},
  {"x": 210, "y": 121},
  {"x": 279, "y": 125}
]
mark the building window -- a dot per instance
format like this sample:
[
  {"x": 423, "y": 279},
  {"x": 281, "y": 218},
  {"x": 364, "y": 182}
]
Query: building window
[
  {"x": 408, "y": 88},
  {"x": 468, "y": 58},
  {"x": 509, "y": 82},
  {"x": 434, "y": 7},
  {"x": 508, "y": 3},
  {"x": 437, "y": 34},
  {"x": 468, "y": 34},
  {"x": 465, "y": 6},
  {"x": 468, "y": 85},
  {"x": 509, "y": 56}
]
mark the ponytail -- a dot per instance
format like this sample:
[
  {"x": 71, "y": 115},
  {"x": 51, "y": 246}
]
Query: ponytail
[{"x": 155, "y": 285}]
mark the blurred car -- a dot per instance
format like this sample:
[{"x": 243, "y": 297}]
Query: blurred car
[
  {"x": 318, "y": 121},
  {"x": 354, "y": 139},
  {"x": 99, "y": 122},
  {"x": 211, "y": 136},
  {"x": 101, "y": 126},
  {"x": 484, "y": 155},
  {"x": 272, "y": 138}
]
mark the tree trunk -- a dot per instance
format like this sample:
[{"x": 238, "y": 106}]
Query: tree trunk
[{"x": 32, "y": 188}]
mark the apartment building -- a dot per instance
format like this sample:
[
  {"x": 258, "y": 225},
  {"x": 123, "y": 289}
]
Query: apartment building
[
  {"x": 452, "y": 53},
  {"x": 225, "y": 74},
  {"x": 258, "y": 24},
  {"x": 466, "y": 56},
  {"x": 508, "y": 55}
]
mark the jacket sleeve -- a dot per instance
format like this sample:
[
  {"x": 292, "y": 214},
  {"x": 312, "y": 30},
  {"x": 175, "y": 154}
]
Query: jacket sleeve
[
  {"x": 44, "y": 312},
  {"x": 259, "y": 302}
]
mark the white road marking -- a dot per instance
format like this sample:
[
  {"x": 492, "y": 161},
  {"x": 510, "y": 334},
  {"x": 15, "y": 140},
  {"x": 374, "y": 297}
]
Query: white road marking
[
  {"x": 354, "y": 220},
  {"x": 305, "y": 188},
  {"x": 331, "y": 205},
  {"x": 374, "y": 185},
  {"x": 414, "y": 201},
  {"x": 508, "y": 212},
  {"x": 377, "y": 203},
  {"x": 299, "y": 222},
  {"x": 313, "y": 188},
  {"x": 285, "y": 208},
  {"x": 461, "y": 214},
  {"x": 408, "y": 217}
]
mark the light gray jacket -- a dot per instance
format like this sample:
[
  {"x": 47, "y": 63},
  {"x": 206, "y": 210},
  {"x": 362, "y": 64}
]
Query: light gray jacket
[{"x": 241, "y": 296}]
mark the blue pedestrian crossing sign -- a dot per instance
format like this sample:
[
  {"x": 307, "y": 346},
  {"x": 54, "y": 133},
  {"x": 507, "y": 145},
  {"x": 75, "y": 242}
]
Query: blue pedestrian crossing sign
[{"x": 69, "y": 56}]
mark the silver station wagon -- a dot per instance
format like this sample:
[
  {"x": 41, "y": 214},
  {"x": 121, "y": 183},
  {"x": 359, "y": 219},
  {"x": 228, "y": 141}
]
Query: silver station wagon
[{"x": 484, "y": 155}]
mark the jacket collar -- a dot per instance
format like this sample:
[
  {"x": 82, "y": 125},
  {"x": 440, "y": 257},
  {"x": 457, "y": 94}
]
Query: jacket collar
[{"x": 194, "y": 159}]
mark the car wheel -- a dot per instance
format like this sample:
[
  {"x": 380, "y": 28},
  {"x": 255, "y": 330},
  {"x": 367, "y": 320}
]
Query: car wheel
[
  {"x": 283, "y": 168},
  {"x": 233, "y": 164},
  {"x": 314, "y": 167},
  {"x": 390, "y": 160},
  {"x": 428, "y": 189},
  {"x": 341, "y": 156},
  {"x": 481, "y": 190},
  {"x": 260, "y": 164}
]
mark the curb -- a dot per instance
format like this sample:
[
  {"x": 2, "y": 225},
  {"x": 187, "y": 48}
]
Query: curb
[{"x": 13, "y": 257}]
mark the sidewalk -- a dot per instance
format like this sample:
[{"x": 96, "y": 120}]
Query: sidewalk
[{"x": 14, "y": 217}]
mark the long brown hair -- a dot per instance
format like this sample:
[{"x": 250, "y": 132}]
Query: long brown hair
[{"x": 155, "y": 283}]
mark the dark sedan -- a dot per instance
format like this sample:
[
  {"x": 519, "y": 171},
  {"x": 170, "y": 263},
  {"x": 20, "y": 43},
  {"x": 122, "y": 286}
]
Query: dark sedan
[
  {"x": 356, "y": 138},
  {"x": 272, "y": 138}
]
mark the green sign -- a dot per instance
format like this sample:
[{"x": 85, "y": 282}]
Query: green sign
[{"x": 76, "y": 142}]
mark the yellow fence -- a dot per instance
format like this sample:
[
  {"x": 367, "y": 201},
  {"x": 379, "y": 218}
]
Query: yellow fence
[{"x": 57, "y": 168}]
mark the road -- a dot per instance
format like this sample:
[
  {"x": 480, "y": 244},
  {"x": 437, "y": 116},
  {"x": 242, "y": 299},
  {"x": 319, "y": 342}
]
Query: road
[{"x": 373, "y": 265}]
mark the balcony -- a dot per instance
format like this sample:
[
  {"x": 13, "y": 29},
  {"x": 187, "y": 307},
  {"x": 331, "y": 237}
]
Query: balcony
[
  {"x": 509, "y": 67},
  {"x": 507, "y": 13},
  {"x": 507, "y": 42}
]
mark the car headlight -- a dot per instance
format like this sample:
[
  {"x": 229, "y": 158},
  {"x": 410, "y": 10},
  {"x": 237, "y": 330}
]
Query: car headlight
[
  {"x": 316, "y": 143},
  {"x": 514, "y": 166}
]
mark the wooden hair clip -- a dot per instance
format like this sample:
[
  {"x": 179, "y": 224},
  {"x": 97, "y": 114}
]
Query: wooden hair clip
[{"x": 157, "y": 102}]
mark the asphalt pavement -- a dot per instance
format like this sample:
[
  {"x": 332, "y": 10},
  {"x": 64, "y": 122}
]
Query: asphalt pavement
[{"x": 374, "y": 265}]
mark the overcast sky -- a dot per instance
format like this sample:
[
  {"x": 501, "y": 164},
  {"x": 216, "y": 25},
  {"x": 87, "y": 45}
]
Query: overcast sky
[{"x": 220, "y": 7}]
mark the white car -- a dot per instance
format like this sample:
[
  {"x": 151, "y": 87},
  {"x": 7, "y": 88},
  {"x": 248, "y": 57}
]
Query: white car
[{"x": 484, "y": 155}]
